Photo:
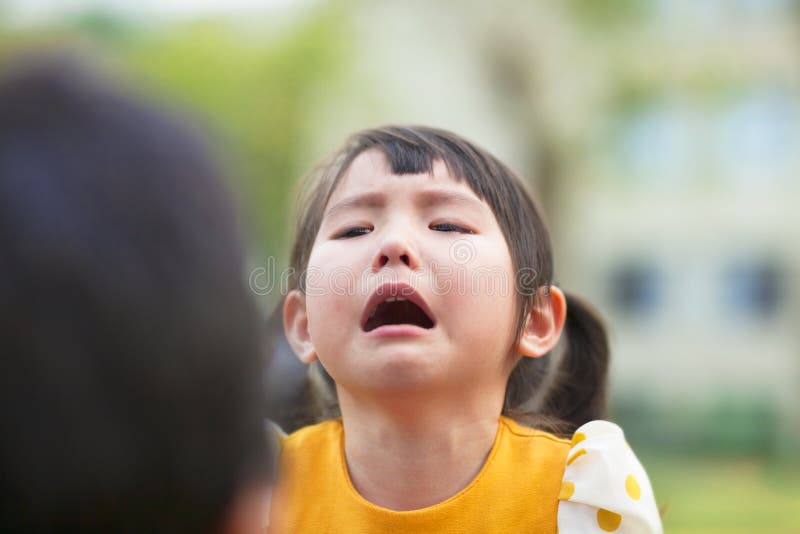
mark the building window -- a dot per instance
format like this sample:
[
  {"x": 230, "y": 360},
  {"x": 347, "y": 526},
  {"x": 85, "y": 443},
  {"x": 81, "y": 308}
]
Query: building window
[
  {"x": 636, "y": 289},
  {"x": 753, "y": 288}
]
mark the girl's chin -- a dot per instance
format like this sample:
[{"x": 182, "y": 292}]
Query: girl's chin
[{"x": 397, "y": 367}]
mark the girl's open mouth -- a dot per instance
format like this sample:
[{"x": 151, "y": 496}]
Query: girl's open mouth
[
  {"x": 397, "y": 310},
  {"x": 396, "y": 304}
]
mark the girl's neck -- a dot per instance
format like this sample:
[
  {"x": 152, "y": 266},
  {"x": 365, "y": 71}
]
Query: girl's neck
[{"x": 410, "y": 455}]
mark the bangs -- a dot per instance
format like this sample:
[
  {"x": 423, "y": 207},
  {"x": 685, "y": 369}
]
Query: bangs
[
  {"x": 406, "y": 158},
  {"x": 414, "y": 150}
]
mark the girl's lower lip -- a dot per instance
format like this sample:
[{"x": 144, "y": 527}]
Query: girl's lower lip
[{"x": 398, "y": 330}]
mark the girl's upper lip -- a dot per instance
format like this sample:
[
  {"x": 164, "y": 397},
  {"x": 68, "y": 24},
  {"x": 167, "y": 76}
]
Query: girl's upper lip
[{"x": 395, "y": 289}]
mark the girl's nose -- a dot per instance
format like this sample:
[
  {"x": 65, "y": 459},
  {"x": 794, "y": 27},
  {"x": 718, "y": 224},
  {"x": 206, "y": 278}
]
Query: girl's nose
[{"x": 396, "y": 251}]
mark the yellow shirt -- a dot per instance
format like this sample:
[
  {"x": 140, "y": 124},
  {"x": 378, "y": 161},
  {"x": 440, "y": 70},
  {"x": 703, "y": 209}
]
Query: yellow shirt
[{"x": 516, "y": 490}]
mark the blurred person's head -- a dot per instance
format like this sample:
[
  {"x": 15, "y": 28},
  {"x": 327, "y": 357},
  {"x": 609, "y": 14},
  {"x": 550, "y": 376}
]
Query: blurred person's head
[{"x": 131, "y": 366}]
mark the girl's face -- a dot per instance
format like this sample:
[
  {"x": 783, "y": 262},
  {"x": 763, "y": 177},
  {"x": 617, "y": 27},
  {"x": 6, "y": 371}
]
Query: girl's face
[{"x": 425, "y": 238}]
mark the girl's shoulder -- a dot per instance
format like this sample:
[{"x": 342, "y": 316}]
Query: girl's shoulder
[{"x": 604, "y": 487}]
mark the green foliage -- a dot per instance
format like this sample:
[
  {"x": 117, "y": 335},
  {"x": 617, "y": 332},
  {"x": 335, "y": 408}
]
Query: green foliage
[
  {"x": 100, "y": 25},
  {"x": 259, "y": 95},
  {"x": 727, "y": 426},
  {"x": 631, "y": 96},
  {"x": 608, "y": 12},
  {"x": 714, "y": 467},
  {"x": 724, "y": 495}
]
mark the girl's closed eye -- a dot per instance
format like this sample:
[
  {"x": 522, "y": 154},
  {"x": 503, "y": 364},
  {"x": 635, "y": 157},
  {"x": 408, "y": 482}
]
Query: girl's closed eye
[
  {"x": 353, "y": 231},
  {"x": 450, "y": 227}
]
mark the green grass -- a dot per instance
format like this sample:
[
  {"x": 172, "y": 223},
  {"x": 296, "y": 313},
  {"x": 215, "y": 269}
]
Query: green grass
[{"x": 707, "y": 495}]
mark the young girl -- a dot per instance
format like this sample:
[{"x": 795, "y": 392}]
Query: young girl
[{"x": 424, "y": 288}]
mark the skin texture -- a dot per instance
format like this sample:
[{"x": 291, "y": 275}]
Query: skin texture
[{"x": 420, "y": 407}]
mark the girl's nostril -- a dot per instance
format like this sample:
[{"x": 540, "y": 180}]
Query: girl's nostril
[{"x": 404, "y": 259}]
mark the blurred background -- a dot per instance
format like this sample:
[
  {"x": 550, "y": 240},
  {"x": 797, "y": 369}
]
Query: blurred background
[{"x": 662, "y": 137}]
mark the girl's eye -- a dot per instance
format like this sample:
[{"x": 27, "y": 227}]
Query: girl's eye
[
  {"x": 353, "y": 232},
  {"x": 450, "y": 227}
]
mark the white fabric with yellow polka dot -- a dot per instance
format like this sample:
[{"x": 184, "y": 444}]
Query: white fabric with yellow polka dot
[{"x": 605, "y": 488}]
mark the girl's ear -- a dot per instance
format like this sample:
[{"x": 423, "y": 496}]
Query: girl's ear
[
  {"x": 295, "y": 325},
  {"x": 544, "y": 324}
]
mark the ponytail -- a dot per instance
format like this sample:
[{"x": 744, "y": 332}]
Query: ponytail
[{"x": 566, "y": 388}]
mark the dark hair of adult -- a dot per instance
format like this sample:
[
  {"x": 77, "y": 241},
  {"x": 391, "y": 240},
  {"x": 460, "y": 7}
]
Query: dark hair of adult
[{"x": 130, "y": 397}]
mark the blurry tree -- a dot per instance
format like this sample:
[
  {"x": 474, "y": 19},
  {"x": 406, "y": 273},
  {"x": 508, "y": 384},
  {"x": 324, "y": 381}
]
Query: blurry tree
[
  {"x": 533, "y": 61},
  {"x": 101, "y": 26},
  {"x": 604, "y": 14},
  {"x": 259, "y": 91}
]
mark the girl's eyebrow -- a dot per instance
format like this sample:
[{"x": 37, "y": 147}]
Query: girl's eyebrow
[
  {"x": 371, "y": 199},
  {"x": 425, "y": 199},
  {"x": 433, "y": 197}
]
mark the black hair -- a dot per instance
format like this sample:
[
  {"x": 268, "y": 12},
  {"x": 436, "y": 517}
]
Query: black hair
[{"x": 131, "y": 359}]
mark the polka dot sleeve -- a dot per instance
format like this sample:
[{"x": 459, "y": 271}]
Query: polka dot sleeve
[{"x": 605, "y": 488}]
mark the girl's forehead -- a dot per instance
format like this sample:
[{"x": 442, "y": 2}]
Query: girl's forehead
[{"x": 371, "y": 170}]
